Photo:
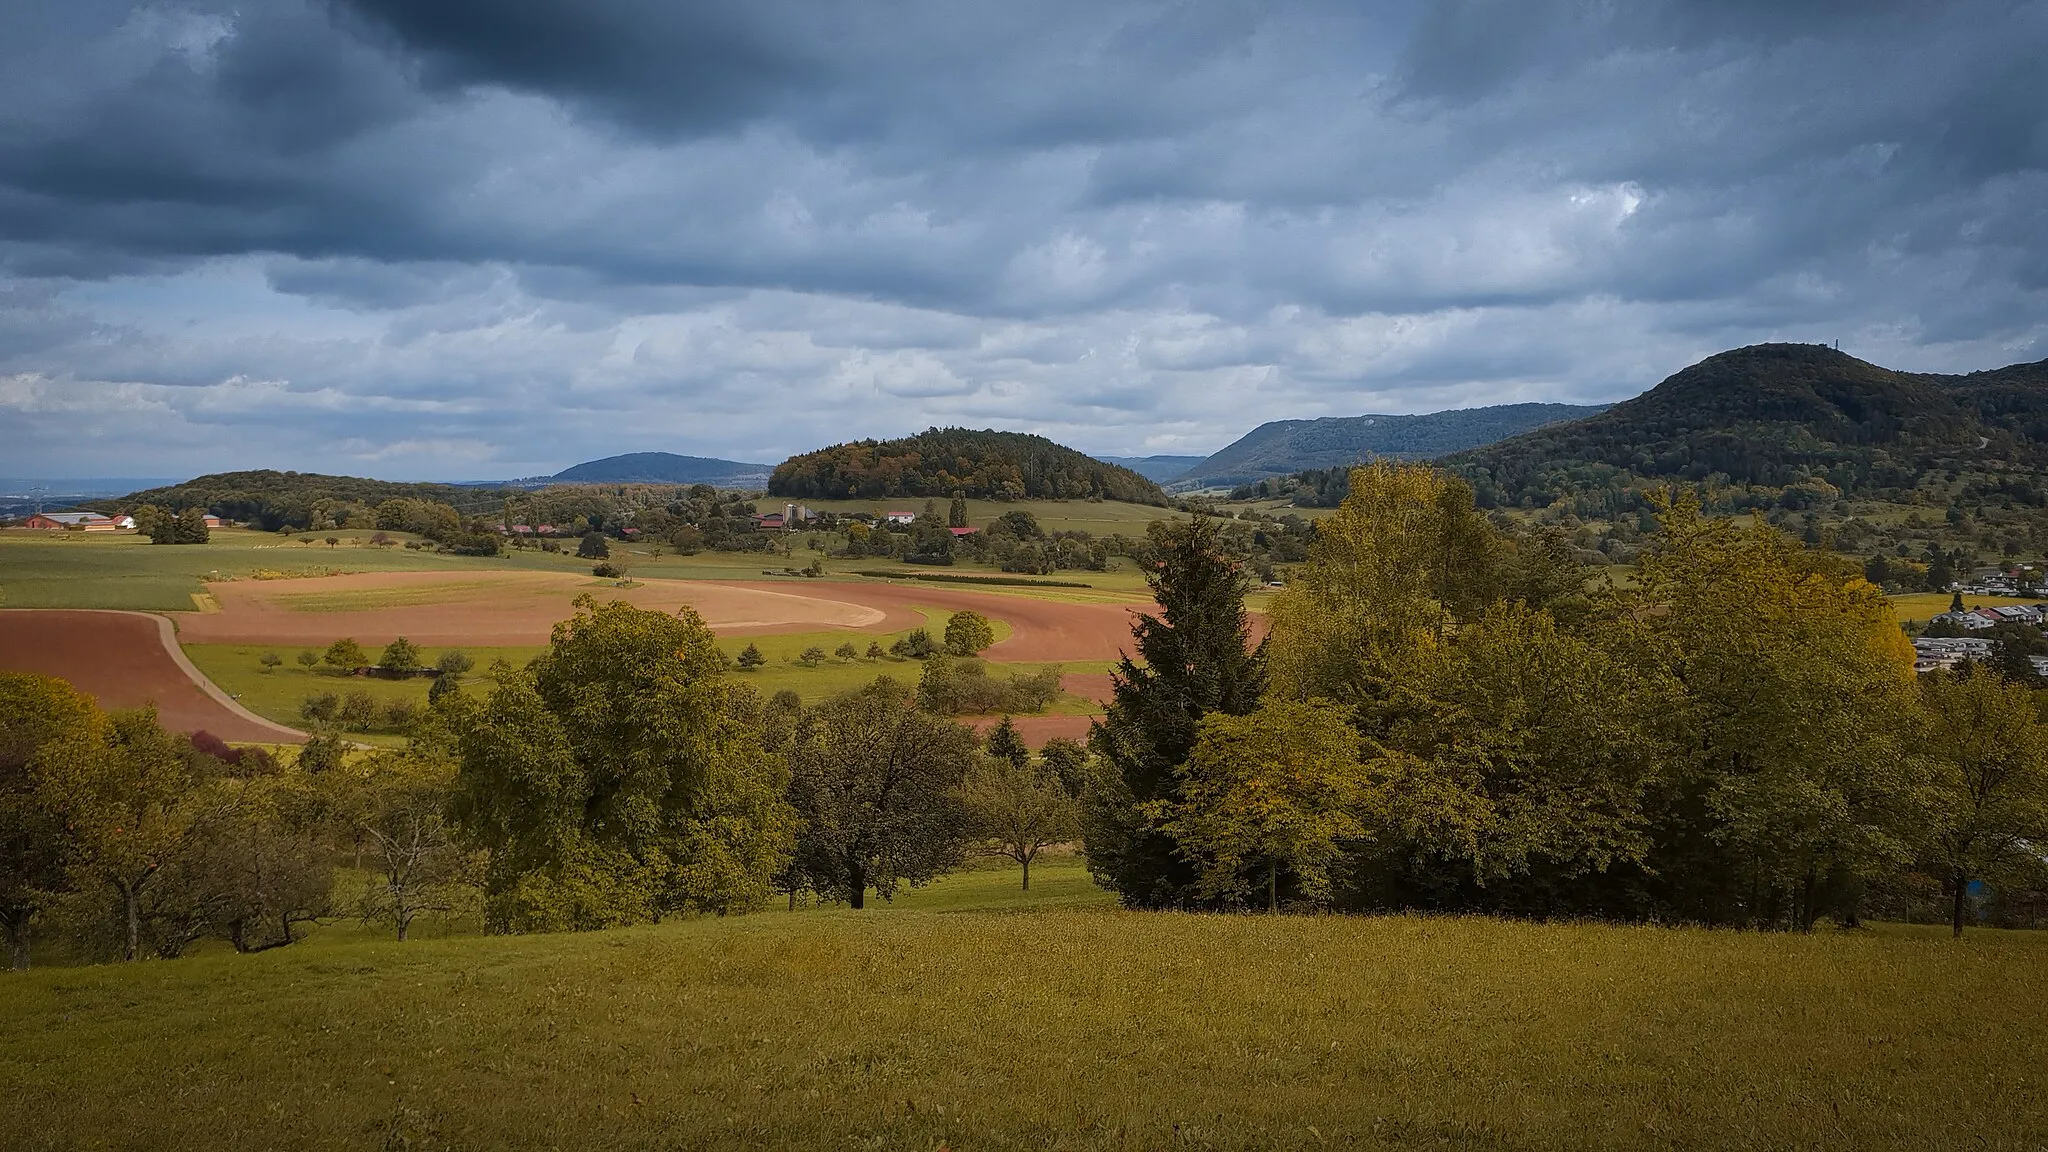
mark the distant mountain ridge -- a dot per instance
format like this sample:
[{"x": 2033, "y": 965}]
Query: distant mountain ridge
[
  {"x": 1282, "y": 447},
  {"x": 1158, "y": 469},
  {"x": 1779, "y": 416},
  {"x": 666, "y": 468}
]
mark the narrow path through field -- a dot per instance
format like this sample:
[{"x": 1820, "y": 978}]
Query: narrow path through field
[{"x": 126, "y": 660}]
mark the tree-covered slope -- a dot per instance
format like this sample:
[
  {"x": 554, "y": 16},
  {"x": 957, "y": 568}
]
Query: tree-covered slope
[
  {"x": 268, "y": 498},
  {"x": 941, "y": 461},
  {"x": 1281, "y": 447},
  {"x": 664, "y": 468},
  {"x": 1773, "y": 417}
]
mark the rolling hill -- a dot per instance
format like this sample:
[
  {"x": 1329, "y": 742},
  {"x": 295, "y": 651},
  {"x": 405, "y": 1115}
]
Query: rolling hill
[
  {"x": 1789, "y": 425},
  {"x": 1158, "y": 469},
  {"x": 665, "y": 468},
  {"x": 941, "y": 461},
  {"x": 1283, "y": 447}
]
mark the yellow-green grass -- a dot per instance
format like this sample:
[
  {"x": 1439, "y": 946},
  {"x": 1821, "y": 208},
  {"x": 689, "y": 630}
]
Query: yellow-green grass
[
  {"x": 1920, "y": 606},
  {"x": 1041, "y": 1022}
]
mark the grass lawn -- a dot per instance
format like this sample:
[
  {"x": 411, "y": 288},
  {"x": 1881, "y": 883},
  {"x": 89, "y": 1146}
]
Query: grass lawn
[{"x": 971, "y": 1016}]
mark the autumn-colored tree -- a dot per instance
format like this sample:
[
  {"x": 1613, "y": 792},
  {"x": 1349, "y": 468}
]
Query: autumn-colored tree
[
  {"x": 45, "y": 725},
  {"x": 967, "y": 633},
  {"x": 1278, "y": 789},
  {"x": 1989, "y": 752}
]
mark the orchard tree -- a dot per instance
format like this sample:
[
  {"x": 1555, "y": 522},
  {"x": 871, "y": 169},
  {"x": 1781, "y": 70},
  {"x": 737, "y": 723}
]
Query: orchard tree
[
  {"x": 1989, "y": 750},
  {"x": 454, "y": 662},
  {"x": 1194, "y": 658},
  {"x": 394, "y": 804},
  {"x": 1278, "y": 789},
  {"x": 401, "y": 655},
  {"x": 1021, "y": 807},
  {"x": 46, "y": 725},
  {"x": 345, "y": 655},
  {"x": 967, "y": 633},
  {"x": 876, "y": 782}
]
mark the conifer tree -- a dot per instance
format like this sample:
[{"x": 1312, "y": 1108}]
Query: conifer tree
[{"x": 1197, "y": 658}]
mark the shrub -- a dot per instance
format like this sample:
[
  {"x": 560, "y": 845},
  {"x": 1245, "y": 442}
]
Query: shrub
[
  {"x": 320, "y": 707},
  {"x": 610, "y": 571},
  {"x": 963, "y": 687},
  {"x": 271, "y": 661},
  {"x": 917, "y": 645},
  {"x": 593, "y": 547},
  {"x": 322, "y": 754},
  {"x": 399, "y": 714},
  {"x": 454, "y": 662}
]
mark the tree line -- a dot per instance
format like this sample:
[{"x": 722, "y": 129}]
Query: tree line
[
  {"x": 1444, "y": 717},
  {"x": 938, "y": 462}
]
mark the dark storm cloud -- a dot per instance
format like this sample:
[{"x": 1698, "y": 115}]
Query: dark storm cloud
[{"x": 513, "y": 232}]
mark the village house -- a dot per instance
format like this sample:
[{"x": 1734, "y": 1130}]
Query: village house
[{"x": 81, "y": 521}]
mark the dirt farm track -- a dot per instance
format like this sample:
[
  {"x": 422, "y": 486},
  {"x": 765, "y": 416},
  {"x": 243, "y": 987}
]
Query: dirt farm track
[{"x": 126, "y": 660}]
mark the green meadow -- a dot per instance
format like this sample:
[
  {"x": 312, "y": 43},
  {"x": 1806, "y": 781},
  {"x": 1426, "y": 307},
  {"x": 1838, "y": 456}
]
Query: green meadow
[{"x": 970, "y": 1015}]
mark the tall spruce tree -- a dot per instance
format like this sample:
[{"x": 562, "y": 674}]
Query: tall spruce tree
[{"x": 1195, "y": 657}]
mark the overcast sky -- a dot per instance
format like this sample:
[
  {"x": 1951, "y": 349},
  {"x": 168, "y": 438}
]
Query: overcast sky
[{"x": 449, "y": 239}]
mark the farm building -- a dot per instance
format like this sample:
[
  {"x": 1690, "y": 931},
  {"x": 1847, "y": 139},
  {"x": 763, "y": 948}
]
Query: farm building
[{"x": 86, "y": 521}]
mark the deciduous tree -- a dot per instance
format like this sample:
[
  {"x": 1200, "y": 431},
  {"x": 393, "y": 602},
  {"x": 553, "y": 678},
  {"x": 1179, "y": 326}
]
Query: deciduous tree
[{"x": 1989, "y": 752}]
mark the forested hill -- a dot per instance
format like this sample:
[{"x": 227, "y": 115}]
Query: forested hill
[
  {"x": 268, "y": 498},
  {"x": 665, "y": 468},
  {"x": 1783, "y": 424},
  {"x": 941, "y": 461},
  {"x": 1281, "y": 447}
]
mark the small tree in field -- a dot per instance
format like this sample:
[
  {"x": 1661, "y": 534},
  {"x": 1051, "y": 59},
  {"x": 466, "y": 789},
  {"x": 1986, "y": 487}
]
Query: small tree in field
[
  {"x": 812, "y": 657},
  {"x": 395, "y": 809},
  {"x": 454, "y": 662},
  {"x": 967, "y": 633},
  {"x": 270, "y": 661},
  {"x": 847, "y": 651},
  {"x": 1020, "y": 807},
  {"x": 1278, "y": 788},
  {"x": 308, "y": 658},
  {"x": 346, "y": 655},
  {"x": 875, "y": 651},
  {"x": 750, "y": 657},
  {"x": 401, "y": 655},
  {"x": 593, "y": 547}
]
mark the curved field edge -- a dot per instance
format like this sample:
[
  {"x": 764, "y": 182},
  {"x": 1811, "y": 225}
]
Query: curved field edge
[{"x": 1056, "y": 1026}]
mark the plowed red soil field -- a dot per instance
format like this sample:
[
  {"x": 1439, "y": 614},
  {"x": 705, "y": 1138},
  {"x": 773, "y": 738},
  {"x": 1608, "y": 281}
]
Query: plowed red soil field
[{"x": 126, "y": 660}]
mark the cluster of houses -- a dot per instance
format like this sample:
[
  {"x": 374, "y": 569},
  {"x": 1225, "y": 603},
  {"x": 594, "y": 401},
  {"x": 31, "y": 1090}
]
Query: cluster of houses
[
  {"x": 92, "y": 522},
  {"x": 1944, "y": 653},
  {"x": 1981, "y": 619}
]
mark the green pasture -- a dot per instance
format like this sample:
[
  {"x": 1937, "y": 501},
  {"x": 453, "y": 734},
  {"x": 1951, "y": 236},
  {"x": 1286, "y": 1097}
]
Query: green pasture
[
  {"x": 1101, "y": 517},
  {"x": 123, "y": 570},
  {"x": 970, "y": 1015}
]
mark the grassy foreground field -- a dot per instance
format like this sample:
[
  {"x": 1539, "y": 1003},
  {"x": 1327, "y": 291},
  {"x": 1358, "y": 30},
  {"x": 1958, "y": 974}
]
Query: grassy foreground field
[{"x": 971, "y": 1016}]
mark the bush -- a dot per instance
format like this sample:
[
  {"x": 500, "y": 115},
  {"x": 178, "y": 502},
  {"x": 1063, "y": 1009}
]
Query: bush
[
  {"x": 963, "y": 687},
  {"x": 610, "y": 571},
  {"x": 917, "y": 645},
  {"x": 320, "y": 707},
  {"x": 322, "y": 754},
  {"x": 399, "y": 714},
  {"x": 271, "y": 661},
  {"x": 454, "y": 662}
]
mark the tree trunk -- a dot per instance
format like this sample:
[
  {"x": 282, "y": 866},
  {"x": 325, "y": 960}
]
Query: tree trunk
[
  {"x": 1961, "y": 902},
  {"x": 404, "y": 924},
  {"x": 133, "y": 910},
  {"x": 18, "y": 941},
  {"x": 1272, "y": 886},
  {"x": 1027, "y": 874},
  {"x": 858, "y": 896}
]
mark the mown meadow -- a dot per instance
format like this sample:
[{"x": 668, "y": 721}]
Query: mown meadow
[{"x": 969, "y": 1015}]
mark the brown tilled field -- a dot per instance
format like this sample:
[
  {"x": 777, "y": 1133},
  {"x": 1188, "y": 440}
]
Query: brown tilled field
[
  {"x": 495, "y": 609},
  {"x": 126, "y": 660}
]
